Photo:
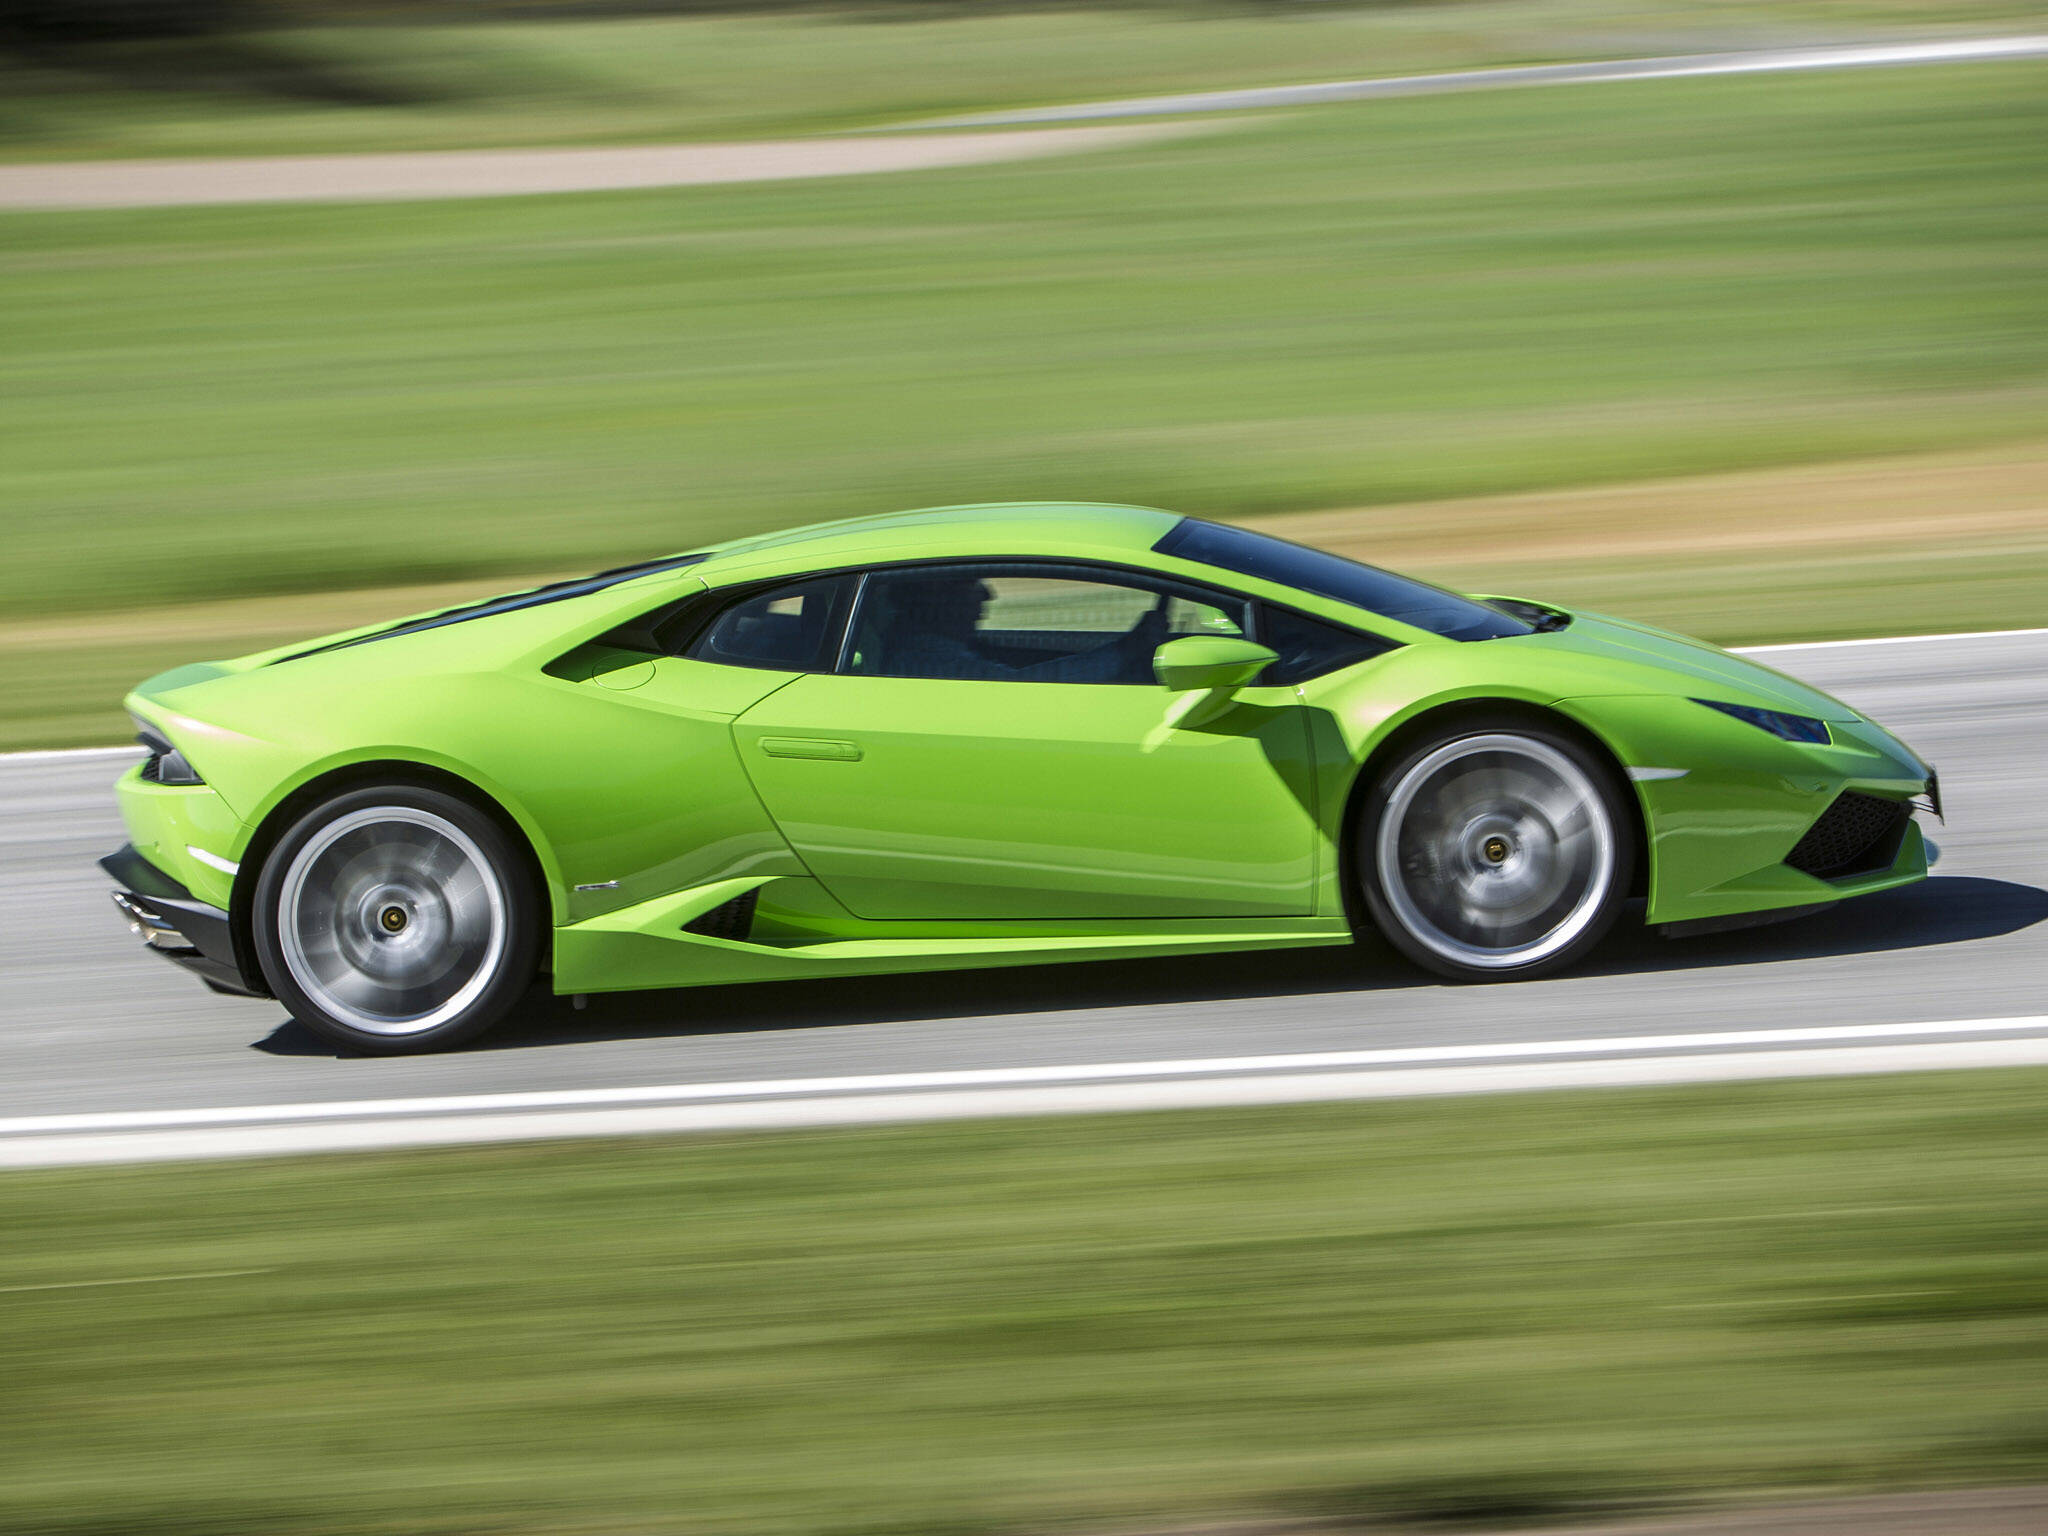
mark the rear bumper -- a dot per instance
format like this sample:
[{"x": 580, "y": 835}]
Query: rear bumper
[{"x": 175, "y": 924}]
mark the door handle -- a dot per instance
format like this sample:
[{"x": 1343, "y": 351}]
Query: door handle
[{"x": 820, "y": 748}]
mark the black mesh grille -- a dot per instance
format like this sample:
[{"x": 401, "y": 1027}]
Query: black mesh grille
[
  {"x": 1855, "y": 835},
  {"x": 728, "y": 921}
]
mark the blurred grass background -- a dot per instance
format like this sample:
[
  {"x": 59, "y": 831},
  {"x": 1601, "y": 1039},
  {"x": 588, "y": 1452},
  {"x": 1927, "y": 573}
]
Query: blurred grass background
[
  {"x": 1502, "y": 1309},
  {"x": 1761, "y": 358},
  {"x": 1352, "y": 308},
  {"x": 324, "y": 75}
]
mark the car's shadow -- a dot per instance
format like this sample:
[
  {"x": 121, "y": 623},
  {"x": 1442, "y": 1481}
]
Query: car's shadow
[{"x": 1940, "y": 910}]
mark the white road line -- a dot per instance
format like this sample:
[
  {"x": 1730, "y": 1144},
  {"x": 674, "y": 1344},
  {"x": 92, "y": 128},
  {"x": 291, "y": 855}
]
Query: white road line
[
  {"x": 1076, "y": 1099},
  {"x": 59, "y": 754},
  {"x": 997, "y": 1077},
  {"x": 1582, "y": 72},
  {"x": 53, "y": 754},
  {"x": 1821, "y": 645},
  {"x": 88, "y": 1285}
]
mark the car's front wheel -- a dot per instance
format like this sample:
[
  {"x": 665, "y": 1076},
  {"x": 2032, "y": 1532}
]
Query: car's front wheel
[
  {"x": 1494, "y": 851},
  {"x": 396, "y": 919}
]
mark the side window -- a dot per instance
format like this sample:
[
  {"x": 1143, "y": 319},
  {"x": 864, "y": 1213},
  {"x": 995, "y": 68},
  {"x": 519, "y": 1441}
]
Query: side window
[
  {"x": 1027, "y": 624},
  {"x": 793, "y": 628},
  {"x": 1309, "y": 647}
]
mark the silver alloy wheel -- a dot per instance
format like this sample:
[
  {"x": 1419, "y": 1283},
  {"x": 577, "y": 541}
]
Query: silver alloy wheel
[
  {"x": 1495, "y": 851},
  {"x": 392, "y": 919}
]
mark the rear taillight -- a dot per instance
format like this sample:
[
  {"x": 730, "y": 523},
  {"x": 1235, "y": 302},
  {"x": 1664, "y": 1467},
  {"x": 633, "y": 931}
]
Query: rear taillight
[{"x": 165, "y": 764}]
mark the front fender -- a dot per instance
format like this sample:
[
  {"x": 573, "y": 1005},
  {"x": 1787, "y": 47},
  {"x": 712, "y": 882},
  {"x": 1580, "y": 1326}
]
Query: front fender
[
  {"x": 1723, "y": 802},
  {"x": 1352, "y": 716}
]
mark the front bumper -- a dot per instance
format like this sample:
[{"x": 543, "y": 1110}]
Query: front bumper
[
  {"x": 1729, "y": 808},
  {"x": 177, "y": 925}
]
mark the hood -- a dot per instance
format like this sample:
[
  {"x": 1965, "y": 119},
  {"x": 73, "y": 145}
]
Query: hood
[{"x": 1713, "y": 672}]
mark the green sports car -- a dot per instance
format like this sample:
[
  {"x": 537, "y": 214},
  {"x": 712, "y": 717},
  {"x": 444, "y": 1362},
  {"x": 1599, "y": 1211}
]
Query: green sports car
[{"x": 974, "y": 736}]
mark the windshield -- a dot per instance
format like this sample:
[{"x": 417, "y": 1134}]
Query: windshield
[{"x": 1315, "y": 570}]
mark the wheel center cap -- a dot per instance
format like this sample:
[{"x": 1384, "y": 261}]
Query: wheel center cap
[{"x": 393, "y": 919}]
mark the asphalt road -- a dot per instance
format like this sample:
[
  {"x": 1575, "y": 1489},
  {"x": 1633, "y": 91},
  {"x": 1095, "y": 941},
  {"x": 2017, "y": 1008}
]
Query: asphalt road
[{"x": 94, "y": 1024}]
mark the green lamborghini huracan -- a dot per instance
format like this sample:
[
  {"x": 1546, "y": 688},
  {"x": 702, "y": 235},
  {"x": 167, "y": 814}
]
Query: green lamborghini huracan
[{"x": 975, "y": 736}]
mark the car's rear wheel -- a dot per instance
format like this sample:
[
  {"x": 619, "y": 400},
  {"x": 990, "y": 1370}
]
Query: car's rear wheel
[
  {"x": 1497, "y": 850},
  {"x": 396, "y": 919}
]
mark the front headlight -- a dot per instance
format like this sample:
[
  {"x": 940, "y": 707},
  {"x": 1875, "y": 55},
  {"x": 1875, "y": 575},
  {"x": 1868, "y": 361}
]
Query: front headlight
[{"x": 1781, "y": 725}]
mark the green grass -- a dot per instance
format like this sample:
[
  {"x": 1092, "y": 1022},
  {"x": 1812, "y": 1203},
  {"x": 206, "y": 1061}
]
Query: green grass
[
  {"x": 1538, "y": 1304},
  {"x": 1424, "y": 298},
  {"x": 1416, "y": 299},
  {"x": 427, "y": 82}
]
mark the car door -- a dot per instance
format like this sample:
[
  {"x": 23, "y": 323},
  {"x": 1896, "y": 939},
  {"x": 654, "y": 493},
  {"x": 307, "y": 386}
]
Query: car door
[{"x": 992, "y": 745}]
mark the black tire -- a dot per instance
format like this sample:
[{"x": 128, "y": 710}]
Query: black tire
[
  {"x": 397, "y": 919},
  {"x": 1498, "y": 849}
]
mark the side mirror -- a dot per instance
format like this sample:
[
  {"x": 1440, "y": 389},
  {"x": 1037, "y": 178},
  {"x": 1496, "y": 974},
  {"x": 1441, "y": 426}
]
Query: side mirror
[{"x": 1217, "y": 663}]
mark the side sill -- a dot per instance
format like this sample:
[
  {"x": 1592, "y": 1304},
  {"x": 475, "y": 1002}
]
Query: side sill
[{"x": 653, "y": 945}]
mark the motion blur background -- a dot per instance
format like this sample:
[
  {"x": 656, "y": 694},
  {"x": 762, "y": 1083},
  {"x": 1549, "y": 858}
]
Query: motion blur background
[{"x": 1763, "y": 357}]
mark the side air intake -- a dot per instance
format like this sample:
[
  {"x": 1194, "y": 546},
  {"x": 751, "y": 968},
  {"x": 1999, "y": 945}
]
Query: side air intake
[
  {"x": 1857, "y": 835},
  {"x": 729, "y": 920}
]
